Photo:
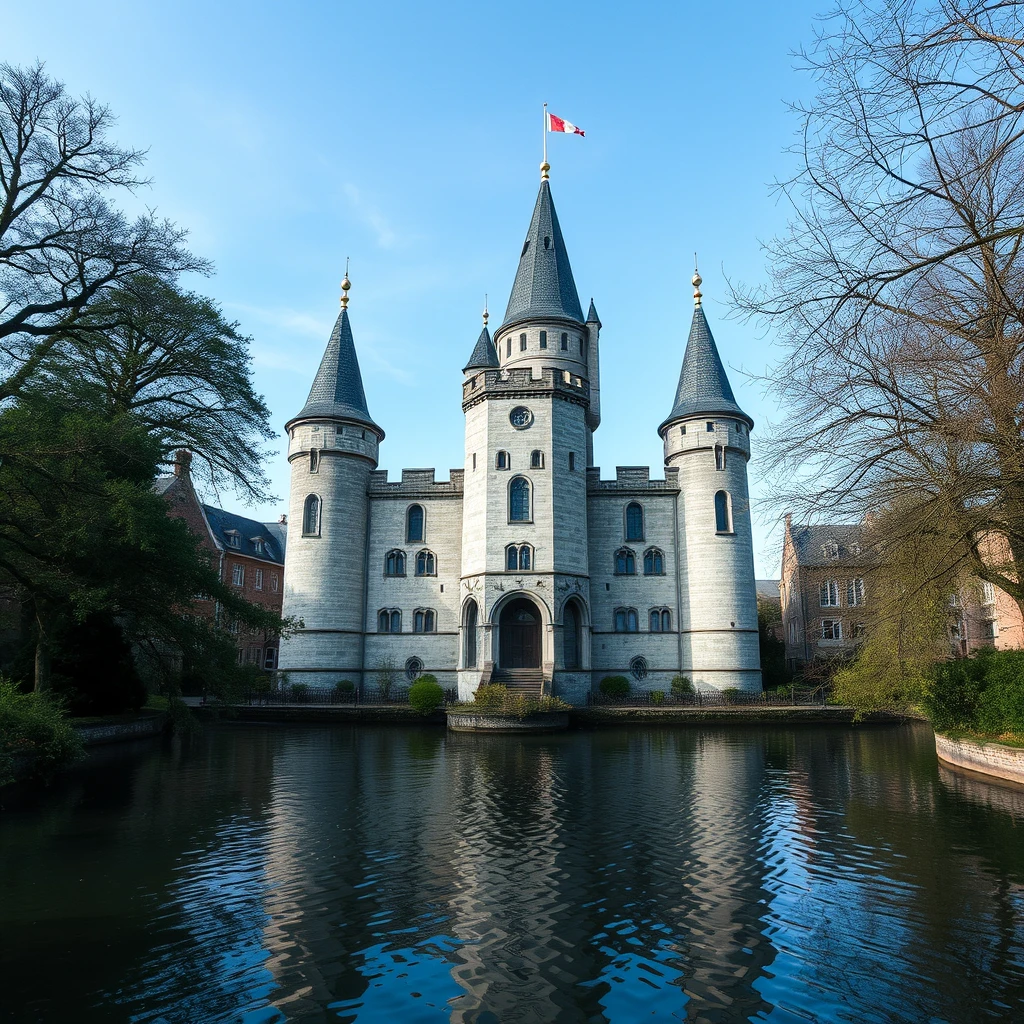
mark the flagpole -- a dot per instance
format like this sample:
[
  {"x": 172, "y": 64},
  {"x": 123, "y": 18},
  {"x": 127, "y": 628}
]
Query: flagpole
[{"x": 544, "y": 167}]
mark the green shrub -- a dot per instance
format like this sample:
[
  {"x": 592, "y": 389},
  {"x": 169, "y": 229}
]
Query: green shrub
[
  {"x": 299, "y": 692},
  {"x": 344, "y": 689},
  {"x": 682, "y": 686},
  {"x": 426, "y": 695},
  {"x": 36, "y": 738},
  {"x": 730, "y": 692},
  {"x": 1001, "y": 703},
  {"x": 952, "y": 694},
  {"x": 657, "y": 696},
  {"x": 614, "y": 686}
]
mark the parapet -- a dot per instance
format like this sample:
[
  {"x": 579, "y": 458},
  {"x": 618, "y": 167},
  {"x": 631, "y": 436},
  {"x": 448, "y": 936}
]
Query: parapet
[
  {"x": 416, "y": 483},
  {"x": 631, "y": 479},
  {"x": 520, "y": 382}
]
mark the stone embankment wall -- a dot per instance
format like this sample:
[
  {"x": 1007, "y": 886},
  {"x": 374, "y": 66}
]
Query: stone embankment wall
[
  {"x": 112, "y": 732},
  {"x": 990, "y": 758}
]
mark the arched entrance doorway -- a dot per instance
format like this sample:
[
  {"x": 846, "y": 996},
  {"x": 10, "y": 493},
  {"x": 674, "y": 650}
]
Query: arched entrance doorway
[{"x": 519, "y": 628}]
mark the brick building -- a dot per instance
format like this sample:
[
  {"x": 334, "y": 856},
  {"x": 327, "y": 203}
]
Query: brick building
[
  {"x": 826, "y": 595},
  {"x": 248, "y": 555}
]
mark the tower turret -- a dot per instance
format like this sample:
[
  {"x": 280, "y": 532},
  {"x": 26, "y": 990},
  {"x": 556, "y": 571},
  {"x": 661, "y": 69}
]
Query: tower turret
[
  {"x": 594, "y": 375},
  {"x": 707, "y": 436},
  {"x": 332, "y": 449}
]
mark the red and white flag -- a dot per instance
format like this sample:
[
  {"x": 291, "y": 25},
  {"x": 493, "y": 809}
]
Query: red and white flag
[{"x": 556, "y": 124}]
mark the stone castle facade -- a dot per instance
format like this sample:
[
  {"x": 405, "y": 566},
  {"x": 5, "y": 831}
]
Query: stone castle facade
[{"x": 524, "y": 566}]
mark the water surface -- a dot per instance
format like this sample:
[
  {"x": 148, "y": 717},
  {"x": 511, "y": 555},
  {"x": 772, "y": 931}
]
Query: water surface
[{"x": 258, "y": 875}]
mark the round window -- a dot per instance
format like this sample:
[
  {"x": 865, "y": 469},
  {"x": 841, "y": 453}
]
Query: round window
[
  {"x": 413, "y": 669},
  {"x": 520, "y": 417},
  {"x": 638, "y": 668}
]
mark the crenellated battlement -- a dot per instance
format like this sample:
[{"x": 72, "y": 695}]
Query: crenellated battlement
[
  {"x": 632, "y": 480},
  {"x": 416, "y": 483},
  {"x": 520, "y": 382}
]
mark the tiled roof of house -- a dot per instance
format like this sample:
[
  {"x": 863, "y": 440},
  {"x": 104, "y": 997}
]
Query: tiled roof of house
[
  {"x": 812, "y": 544},
  {"x": 544, "y": 286},
  {"x": 226, "y": 527}
]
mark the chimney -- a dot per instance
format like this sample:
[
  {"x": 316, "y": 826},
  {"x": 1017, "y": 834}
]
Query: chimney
[
  {"x": 283, "y": 521},
  {"x": 182, "y": 461}
]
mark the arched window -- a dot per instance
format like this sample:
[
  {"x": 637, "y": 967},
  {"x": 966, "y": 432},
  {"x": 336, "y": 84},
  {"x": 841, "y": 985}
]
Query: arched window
[
  {"x": 634, "y": 521},
  {"x": 389, "y": 620},
  {"x": 625, "y": 562},
  {"x": 423, "y": 620},
  {"x": 666, "y": 620},
  {"x": 660, "y": 620},
  {"x": 425, "y": 564},
  {"x": 524, "y": 557},
  {"x": 536, "y": 459},
  {"x": 502, "y": 460},
  {"x": 655, "y": 620},
  {"x": 470, "y": 634},
  {"x": 571, "y": 636},
  {"x": 518, "y": 556},
  {"x": 626, "y": 620},
  {"x": 414, "y": 523},
  {"x": 314, "y": 460},
  {"x": 311, "y": 517},
  {"x": 723, "y": 517},
  {"x": 654, "y": 562},
  {"x": 719, "y": 456},
  {"x": 512, "y": 558},
  {"x": 394, "y": 563},
  {"x": 519, "y": 500}
]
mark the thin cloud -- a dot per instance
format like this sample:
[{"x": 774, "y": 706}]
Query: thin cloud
[{"x": 387, "y": 237}]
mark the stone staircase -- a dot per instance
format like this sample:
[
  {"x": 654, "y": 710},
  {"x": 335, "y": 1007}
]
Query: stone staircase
[{"x": 528, "y": 681}]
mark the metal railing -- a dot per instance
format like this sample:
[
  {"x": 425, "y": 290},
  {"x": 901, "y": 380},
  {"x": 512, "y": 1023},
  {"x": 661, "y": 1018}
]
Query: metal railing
[{"x": 790, "y": 696}]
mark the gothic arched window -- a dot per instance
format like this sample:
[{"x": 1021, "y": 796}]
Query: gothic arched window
[
  {"x": 723, "y": 516},
  {"x": 626, "y": 620},
  {"x": 536, "y": 459},
  {"x": 425, "y": 564},
  {"x": 503, "y": 461},
  {"x": 571, "y": 636},
  {"x": 311, "y": 517},
  {"x": 470, "y": 634},
  {"x": 634, "y": 521},
  {"x": 625, "y": 562},
  {"x": 512, "y": 557},
  {"x": 394, "y": 563},
  {"x": 424, "y": 620},
  {"x": 414, "y": 523},
  {"x": 389, "y": 620},
  {"x": 524, "y": 557},
  {"x": 654, "y": 562},
  {"x": 519, "y": 500}
]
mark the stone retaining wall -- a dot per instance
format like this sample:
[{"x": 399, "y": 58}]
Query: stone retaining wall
[
  {"x": 989, "y": 758},
  {"x": 113, "y": 732},
  {"x": 550, "y": 721}
]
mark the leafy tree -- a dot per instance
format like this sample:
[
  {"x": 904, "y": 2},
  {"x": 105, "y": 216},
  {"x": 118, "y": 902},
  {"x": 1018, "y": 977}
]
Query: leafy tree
[
  {"x": 83, "y": 535},
  {"x": 897, "y": 290},
  {"x": 61, "y": 241},
  {"x": 168, "y": 358},
  {"x": 772, "y": 649}
]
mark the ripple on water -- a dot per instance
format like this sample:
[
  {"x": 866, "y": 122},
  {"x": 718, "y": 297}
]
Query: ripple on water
[{"x": 401, "y": 875}]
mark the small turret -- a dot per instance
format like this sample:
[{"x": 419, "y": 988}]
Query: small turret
[
  {"x": 594, "y": 376},
  {"x": 484, "y": 356}
]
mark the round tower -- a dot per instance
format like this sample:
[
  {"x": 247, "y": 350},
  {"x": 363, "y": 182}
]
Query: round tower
[
  {"x": 707, "y": 438},
  {"x": 332, "y": 449}
]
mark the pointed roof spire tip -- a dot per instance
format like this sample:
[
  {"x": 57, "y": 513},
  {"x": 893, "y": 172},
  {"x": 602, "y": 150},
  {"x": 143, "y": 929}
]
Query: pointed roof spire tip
[
  {"x": 346, "y": 284},
  {"x": 696, "y": 281}
]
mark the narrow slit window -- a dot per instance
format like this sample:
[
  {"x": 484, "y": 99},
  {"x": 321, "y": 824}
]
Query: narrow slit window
[
  {"x": 522, "y": 342},
  {"x": 723, "y": 514},
  {"x": 565, "y": 342},
  {"x": 508, "y": 346},
  {"x": 543, "y": 339}
]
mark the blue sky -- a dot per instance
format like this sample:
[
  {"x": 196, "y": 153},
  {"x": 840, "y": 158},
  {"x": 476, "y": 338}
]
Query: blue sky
[{"x": 407, "y": 136}]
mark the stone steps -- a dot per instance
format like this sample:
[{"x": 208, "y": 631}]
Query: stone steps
[{"x": 525, "y": 681}]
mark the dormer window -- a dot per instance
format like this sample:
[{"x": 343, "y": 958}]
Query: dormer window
[
  {"x": 547, "y": 241},
  {"x": 830, "y": 550},
  {"x": 234, "y": 539},
  {"x": 257, "y": 543}
]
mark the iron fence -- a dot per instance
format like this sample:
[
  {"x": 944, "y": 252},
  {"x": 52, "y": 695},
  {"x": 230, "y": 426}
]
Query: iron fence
[
  {"x": 301, "y": 693},
  {"x": 790, "y": 696}
]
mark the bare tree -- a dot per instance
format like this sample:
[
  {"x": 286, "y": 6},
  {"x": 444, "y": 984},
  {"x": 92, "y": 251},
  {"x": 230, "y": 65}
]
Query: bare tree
[
  {"x": 897, "y": 290},
  {"x": 61, "y": 242}
]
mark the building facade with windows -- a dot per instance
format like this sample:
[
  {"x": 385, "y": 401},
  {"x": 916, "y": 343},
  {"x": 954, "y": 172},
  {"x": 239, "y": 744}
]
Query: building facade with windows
[
  {"x": 248, "y": 555},
  {"x": 524, "y": 566}
]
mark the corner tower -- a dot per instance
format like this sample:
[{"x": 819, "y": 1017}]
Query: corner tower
[
  {"x": 527, "y": 401},
  {"x": 332, "y": 449},
  {"x": 707, "y": 436}
]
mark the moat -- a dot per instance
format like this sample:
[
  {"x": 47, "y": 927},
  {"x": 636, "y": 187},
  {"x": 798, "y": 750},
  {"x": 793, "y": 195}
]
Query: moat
[{"x": 258, "y": 874}]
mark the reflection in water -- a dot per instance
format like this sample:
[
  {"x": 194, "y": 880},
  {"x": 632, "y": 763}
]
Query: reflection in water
[{"x": 358, "y": 875}]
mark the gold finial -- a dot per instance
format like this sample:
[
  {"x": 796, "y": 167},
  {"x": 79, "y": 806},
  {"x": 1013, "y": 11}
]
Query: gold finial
[
  {"x": 544, "y": 168},
  {"x": 486, "y": 314},
  {"x": 345, "y": 285},
  {"x": 696, "y": 281}
]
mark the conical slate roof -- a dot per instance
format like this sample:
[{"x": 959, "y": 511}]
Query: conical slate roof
[
  {"x": 704, "y": 388},
  {"x": 544, "y": 286},
  {"x": 337, "y": 391},
  {"x": 592, "y": 317},
  {"x": 484, "y": 355}
]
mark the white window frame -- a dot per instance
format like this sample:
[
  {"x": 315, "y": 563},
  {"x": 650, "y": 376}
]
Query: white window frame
[
  {"x": 855, "y": 592},
  {"x": 258, "y": 582},
  {"x": 237, "y": 575},
  {"x": 836, "y": 628},
  {"x": 988, "y": 592},
  {"x": 828, "y": 594}
]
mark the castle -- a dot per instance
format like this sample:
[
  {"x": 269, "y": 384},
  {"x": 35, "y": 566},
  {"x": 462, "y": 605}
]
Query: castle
[{"x": 524, "y": 567}]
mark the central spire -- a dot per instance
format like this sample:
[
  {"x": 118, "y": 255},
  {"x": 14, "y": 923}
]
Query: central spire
[{"x": 544, "y": 286}]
